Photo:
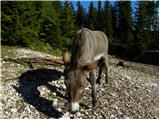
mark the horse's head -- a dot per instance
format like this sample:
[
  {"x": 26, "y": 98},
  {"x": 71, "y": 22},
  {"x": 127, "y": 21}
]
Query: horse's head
[{"x": 75, "y": 82}]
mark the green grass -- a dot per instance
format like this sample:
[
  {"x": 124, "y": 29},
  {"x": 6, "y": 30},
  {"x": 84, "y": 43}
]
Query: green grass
[
  {"x": 42, "y": 47},
  {"x": 46, "y": 48},
  {"x": 8, "y": 51},
  {"x": 57, "y": 52}
]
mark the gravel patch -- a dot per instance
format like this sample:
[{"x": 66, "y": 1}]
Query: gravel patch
[
  {"x": 132, "y": 92},
  {"x": 31, "y": 54}
]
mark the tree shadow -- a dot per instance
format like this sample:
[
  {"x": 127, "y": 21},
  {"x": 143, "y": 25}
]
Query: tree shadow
[{"x": 28, "y": 84}]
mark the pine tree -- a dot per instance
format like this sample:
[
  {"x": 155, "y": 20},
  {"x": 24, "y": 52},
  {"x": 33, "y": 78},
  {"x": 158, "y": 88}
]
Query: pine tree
[
  {"x": 57, "y": 7},
  {"x": 125, "y": 27},
  {"x": 114, "y": 23},
  {"x": 81, "y": 17},
  {"x": 72, "y": 9},
  {"x": 50, "y": 25},
  {"x": 22, "y": 17},
  {"x": 99, "y": 25},
  {"x": 146, "y": 29},
  {"x": 8, "y": 18},
  {"x": 67, "y": 25},
  {"x": 92, "y": 17},
  {"x": 108, "y": 29},
  {"x": 154, "y": 43}
]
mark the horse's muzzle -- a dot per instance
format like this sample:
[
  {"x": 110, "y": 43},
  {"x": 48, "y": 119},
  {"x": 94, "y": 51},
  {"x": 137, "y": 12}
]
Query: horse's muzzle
[{"x": 73, "y": 108}]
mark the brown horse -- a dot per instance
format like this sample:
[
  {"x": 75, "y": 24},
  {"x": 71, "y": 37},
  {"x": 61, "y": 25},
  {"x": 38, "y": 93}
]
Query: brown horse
[{"x": 90, "y": 49}]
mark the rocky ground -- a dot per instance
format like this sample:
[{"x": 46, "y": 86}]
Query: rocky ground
[{"x": 132, "y": 91}]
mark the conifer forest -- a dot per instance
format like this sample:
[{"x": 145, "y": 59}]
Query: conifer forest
[{"x": 52, "y": 25}]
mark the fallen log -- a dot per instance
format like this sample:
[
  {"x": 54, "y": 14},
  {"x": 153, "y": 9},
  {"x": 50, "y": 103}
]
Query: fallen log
[
  {"x": 11, "y": 78},
  {"x": 37, "y": 60}
]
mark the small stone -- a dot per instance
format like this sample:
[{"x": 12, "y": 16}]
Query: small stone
[
  {"x": 13, "y": 110},
  {"x": 54, "y": 103},
  {"x": 6, "y": 112},
  {"x": 87, "y": 88},
  {"x": 78, "y": 114},
  {"x": 115, "y": 107},
  {"x": 54, "y": 93},
  {"x": 86, "y": 113},
  {"x": 125, "y": 117},
  {"x": 113, "y": 94},
  {"x": 102, "y": 89},
  {"x": 59, "y": 109},
  {"x": 65, "y": 116},
  {"x": 112, "y": 116},
  {"x": 43, "y": 88},
  {"x": 127, "y": 77},
  {"x": 25, "y": 117},
  {"x": 57, "y": 85},
  {"x": 17, "y": 94},
  {"x": 42, "y": 93}
]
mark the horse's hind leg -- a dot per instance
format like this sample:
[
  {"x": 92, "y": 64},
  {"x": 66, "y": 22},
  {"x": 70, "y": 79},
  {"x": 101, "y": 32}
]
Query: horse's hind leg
[{"x": 101, "y": 67}]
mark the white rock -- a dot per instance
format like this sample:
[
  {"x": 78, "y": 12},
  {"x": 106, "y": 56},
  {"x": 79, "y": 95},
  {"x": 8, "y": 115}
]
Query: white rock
[
  {"x": 127, "y": 77},
  {"x": 87, "y": 88},
  {"x": 57, "y": 85},
  {"x": 65, "y": 116},
  {"x": 54, "y": 93},
  {"x": 113, "y": 94},
  {"x": 13, "y": 110},
  {"x": 115, "y": 107},
  {"x": 102, "y": 89},
  {"x": 42, "y": 93},
  {"x": 59, "y": 109},
  {"x": 112, "y": 116},
  {"x": 25, "y": 117},
  {"x": 54, "y": 103},
  {"x": 126, "y": 117},
  {"x": 6, "y": 112},
  {"x": 17, "y": 94},
  {"x": 43, "y": 88},
  {"x": 78, "y": 114}
]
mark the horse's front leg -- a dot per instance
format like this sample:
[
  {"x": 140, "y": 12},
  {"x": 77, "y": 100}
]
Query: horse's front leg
[{"x": 93, "y": 84}]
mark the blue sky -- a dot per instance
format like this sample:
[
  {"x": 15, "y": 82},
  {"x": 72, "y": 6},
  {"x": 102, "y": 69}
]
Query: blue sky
[{"x": 87, "y": 3}]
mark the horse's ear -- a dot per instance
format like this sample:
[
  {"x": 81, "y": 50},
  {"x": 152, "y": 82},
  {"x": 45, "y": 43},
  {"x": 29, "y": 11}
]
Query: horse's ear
[
  {"x": 65, "y": 57},
  {"x": 91, "y": 66}
]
